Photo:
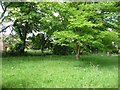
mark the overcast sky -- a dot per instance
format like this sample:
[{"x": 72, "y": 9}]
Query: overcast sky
[{"x": 5, "y": 24}]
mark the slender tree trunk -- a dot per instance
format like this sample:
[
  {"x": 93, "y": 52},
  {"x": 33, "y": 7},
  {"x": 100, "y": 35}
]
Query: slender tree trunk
[
  {"x": 23, "y": 46},
  {"x": 24, "y": 40},
  {"x": 43, "y": 41},
  {"x": 77, "y": 52},
  {"x": 42, "y": 49}
]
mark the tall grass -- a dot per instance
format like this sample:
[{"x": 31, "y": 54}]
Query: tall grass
[{"x": 60, "y": 72}]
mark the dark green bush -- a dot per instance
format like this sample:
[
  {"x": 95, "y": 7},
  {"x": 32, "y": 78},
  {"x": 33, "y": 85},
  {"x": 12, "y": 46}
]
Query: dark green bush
[
  {"x": 62, "y": 50},
  {"x": 16, "y": 49}
]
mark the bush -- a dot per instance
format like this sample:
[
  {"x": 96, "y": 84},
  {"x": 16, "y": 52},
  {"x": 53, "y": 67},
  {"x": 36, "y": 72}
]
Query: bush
[
  {"x": 16, "y": 49},
  {"x": 61, "y": 50},
  {"x": 114, "y": 51}
]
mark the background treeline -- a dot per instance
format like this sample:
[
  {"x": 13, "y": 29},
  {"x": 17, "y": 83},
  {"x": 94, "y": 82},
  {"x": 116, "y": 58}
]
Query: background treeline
[{"x": 61, "y": 28}]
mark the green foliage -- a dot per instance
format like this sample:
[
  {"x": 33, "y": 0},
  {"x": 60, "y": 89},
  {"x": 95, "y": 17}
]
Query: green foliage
[
  {"x": 86, "y": 26},
  {"x": 12, "y": 41},
  {"x": 67, "y": 24},
  {"x": 61, "y": 50},
  {"x": 64, "y": 38},
  {"x": 15, "y": 49},
  {"x": 107, "y": 38}
]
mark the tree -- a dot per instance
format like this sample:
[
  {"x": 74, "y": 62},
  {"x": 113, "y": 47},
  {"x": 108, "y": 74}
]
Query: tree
[
  {"x": 39, "y": 41},
  {"x": 78, "y": 25},
  {"x": 107, "y": 38},
  {"x": 71, "y": 39},
  {"x": 84, "y": 26},
  {"x": 26, "y": 18},
  {"x": 29, "y": 17}
]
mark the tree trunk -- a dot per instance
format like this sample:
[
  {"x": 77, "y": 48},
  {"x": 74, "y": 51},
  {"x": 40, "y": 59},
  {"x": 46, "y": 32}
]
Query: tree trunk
[
  {"x": 77, "y": 52},
  {"x": 43, "y": 41},
  {"x": 22, "y": 32},
  {"x": 24, "y": 40},
  {"x": 23, "y": 46},
  {"x": 42, "y": 50},
  {"x": 23, "y": 35}
]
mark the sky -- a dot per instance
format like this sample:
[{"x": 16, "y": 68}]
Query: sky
[{"x": 5, "y": 24}]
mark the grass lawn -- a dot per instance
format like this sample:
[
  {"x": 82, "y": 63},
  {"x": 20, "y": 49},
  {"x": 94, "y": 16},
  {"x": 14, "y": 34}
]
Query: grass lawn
[{"x": 60, "y": 72}]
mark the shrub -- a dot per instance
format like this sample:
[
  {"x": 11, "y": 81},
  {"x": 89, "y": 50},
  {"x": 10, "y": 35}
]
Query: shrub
[{"x": 61, "y": 50}]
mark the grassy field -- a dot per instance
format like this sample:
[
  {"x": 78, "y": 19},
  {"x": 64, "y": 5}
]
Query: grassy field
[{"x": 60, "y": 72}]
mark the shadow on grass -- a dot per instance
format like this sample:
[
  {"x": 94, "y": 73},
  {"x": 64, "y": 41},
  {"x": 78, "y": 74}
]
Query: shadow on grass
[
  {"x": 8, "y": 54},
  {"x": 16, "y": 83},
  {"x": 102, "y": 61},
  {"x": 86, "y": 60}
]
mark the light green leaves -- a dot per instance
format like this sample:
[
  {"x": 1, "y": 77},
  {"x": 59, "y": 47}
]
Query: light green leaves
[
  {"x": 69, "y": 38},
  {"x": 64, "y": 37}
]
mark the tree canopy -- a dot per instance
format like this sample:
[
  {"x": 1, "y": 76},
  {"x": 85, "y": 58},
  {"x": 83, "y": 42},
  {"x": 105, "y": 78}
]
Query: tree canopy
[{"x": 79, "y": 25}]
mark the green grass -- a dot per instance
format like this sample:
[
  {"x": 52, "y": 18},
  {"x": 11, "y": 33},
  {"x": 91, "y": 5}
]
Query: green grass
[{"x": 60, "y": 72}]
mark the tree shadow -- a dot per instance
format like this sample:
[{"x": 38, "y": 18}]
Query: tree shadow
[
  {"x": 101, "y": 61},
  {"x": 16, "y": 83}
]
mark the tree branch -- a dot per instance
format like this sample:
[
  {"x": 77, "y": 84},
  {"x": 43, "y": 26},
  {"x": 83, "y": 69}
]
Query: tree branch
[
  {"x": 5, "y": 28},
  {"x": 1, "y": 5},
  {"x": 4, "y": 9}
]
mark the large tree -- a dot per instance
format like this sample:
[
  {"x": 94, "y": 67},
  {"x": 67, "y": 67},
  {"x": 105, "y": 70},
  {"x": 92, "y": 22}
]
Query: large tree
[
  {"x": 26, "y": 19},
  {"x": 79, "y": 25},
  {"x": 86, "y": 26}
]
